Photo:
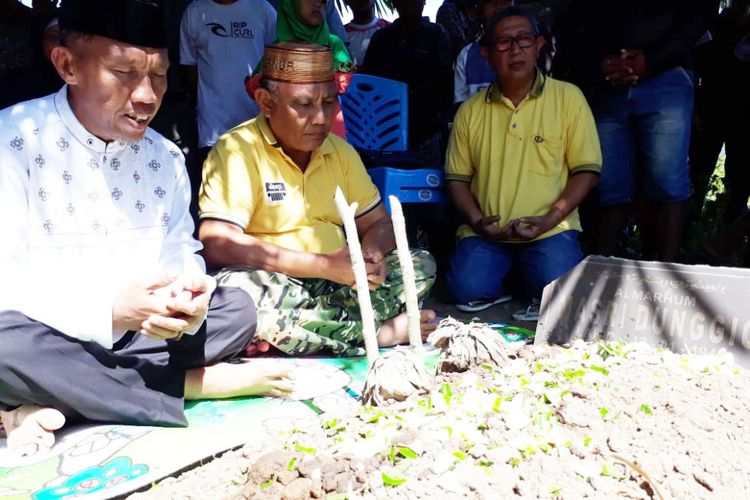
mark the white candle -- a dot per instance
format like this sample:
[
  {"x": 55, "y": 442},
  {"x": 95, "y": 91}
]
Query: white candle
[
  {"x": 407, "y": 273},
  {"x": 347, "y": 213}
]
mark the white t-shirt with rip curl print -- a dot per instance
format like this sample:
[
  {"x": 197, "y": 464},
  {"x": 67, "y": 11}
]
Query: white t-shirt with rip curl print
[{"x": 225, "y": 42}]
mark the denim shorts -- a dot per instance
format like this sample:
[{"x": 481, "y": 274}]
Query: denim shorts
[
  {"x": 645, "y": 137},
  {"x": 478, "y": 266}
]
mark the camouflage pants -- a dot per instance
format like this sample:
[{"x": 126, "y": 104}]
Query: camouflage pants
[{"x": 304, "y": 316}]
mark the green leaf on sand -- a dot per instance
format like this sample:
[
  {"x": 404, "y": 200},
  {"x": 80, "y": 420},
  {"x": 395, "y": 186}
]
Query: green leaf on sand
[
  {"x": 304, "y": 449},
  {"x": 496, "y": 404},
  {"x": 268, "y": 483},
  {"x": 392, "y": 481},
  {"x": 374, "y": 419},
  {"x": 407, "y": 452},
  {"x": 600, "y": 369},
  {"x": 447, "y": 392},
  {"x": 570, "y": 373}
]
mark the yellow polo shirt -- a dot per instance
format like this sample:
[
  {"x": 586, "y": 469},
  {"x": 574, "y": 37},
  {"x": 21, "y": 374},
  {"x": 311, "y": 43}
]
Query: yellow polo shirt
[
  {"x": 518, "y": 159},
  {"x": 250, "y": 182}
]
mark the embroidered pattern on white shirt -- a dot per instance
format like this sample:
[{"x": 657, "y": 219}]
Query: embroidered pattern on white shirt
[{"x": 93, "y": 215}]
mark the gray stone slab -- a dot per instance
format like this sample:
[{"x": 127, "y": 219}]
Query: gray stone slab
[{"x": 685, "y": 308}]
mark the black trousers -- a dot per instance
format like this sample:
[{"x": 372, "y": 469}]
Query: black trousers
[
  {"x": 139, "y": 381},
  {"x": 721, "y": 121}
]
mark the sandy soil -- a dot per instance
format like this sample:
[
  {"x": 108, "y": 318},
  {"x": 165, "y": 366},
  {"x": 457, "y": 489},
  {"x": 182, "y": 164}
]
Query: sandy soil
[{"x": 591, "y": 421}]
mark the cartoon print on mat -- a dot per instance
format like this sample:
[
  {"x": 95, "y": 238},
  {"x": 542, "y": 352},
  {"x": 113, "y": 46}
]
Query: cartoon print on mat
[
  {"x": 13, "y": 492},
  {"x": 76, "y": 451},
  {"x": 94, "y": 479},
  {"x": 211, "y": 411},
  {"x": 96, "y": 458},
  {"x": 113, "y": 460},
  {"x": 98, "y": 447},
  {"x": 20, "y": 482}
]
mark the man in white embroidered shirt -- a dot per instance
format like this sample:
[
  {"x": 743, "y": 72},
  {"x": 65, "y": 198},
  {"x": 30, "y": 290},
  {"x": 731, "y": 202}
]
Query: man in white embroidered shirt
[{"x": 107, "y": 313}]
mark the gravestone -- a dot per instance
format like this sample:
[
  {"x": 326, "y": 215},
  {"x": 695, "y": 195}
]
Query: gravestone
[{"x": 699, "y": 309}]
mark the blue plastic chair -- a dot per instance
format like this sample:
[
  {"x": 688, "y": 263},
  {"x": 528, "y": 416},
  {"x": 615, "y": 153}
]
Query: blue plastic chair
[
  {"x": 376, "y": 113},
  {"x": 422, "y": 185},
  {"x": 376, "y": 119}
]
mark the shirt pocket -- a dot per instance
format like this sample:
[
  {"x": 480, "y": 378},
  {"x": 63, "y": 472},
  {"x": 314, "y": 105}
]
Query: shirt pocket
[{"x": 546, "y": 155}]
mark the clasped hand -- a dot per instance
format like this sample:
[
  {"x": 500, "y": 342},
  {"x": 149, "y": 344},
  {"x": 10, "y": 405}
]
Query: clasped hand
[
  {"x": 523, "y": 228},
  {"x": 339, "y": 268},
  {"x": 626, "y": 69},
  {"x": 163, "y": 306}
]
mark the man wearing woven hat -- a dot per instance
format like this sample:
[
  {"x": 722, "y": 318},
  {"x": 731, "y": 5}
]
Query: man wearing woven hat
[
  {"x": 269, "y": 220},
  {"x": 106, "y": 312}
]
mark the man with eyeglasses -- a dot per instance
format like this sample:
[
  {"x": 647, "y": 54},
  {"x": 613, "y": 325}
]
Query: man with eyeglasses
[{"x": 521, "y": 157}]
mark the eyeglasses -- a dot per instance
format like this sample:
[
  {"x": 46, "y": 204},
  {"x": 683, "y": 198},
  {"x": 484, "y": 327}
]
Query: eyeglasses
[{"x": 504, "y": 44}]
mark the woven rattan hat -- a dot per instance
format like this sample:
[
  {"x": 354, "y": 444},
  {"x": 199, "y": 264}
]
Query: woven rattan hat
[{"x": 298, "y": 63}]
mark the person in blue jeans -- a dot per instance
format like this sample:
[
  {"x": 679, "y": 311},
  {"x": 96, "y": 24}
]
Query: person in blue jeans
[
  {"x": 522, "y": 155},
  {"x": 632, "y": 59}
]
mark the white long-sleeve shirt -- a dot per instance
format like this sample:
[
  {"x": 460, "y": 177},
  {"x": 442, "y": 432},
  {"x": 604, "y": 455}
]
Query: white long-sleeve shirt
[{"x": 81, "y": 218}]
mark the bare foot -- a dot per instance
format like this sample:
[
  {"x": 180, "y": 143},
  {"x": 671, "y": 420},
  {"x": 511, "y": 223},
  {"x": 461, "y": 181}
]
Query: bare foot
[
  {"x": 257, "y": 348},
  {"x": 396, "y": 330},
  {"x": 224, "y": 380},
  {"x": 31, "y": 428}
]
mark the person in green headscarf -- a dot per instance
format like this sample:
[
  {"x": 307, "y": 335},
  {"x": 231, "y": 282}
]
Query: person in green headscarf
[{"x": 305, "y": 21}]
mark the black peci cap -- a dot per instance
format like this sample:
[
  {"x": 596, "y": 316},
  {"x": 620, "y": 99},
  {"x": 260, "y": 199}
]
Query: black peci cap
[{"x": 137, "y": 22}]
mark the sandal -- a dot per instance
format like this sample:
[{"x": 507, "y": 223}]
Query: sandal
[
  {"x": 531, "y": 313},
  {"x": 481, "y": 305}
]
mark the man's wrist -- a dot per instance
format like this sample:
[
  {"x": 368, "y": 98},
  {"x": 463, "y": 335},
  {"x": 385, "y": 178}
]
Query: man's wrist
[
  {"x": 474, "y": 223},
  {"x": 554, "y": 217},
  {"x": 319, "y": 266}
]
